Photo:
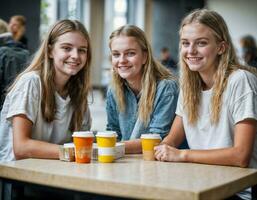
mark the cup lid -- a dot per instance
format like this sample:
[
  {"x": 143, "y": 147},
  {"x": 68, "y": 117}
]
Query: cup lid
[
  {"x": 83, "y": 134},
  {"x": 68, "y": 145},
  {"x": 106, "y": 134},
  {"x": 151, "y": 136}
]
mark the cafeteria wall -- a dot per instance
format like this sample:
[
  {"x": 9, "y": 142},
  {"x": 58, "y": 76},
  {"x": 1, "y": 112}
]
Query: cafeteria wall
[
  {"x": 166, "y": 17},
  {"x": 240, "y": 17}
]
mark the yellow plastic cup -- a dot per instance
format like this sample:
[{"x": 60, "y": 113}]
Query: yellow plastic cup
[
  {"x": 83, "y": 141},
  {"x": 149, "y": 141},
  {"x": 106, "y": 141}
]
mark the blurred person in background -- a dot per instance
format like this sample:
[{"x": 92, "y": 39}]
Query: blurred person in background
[
  {"x": 17, "y": 27},
  {"x": 249, "y": 50},
  {"x": 167, "y": 61},
  {"x": 13, "y": 58}
]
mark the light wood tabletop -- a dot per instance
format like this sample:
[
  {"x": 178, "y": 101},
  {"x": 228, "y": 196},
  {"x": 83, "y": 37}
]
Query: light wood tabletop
[{"x": 134, "y": 178}]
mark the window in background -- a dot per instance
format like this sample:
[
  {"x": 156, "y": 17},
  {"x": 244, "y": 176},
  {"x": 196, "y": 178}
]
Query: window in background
[
  {"x": 115, "y": 15},
  {"x": 48, "y": 15},
  {"x": 120, "y": 13}
]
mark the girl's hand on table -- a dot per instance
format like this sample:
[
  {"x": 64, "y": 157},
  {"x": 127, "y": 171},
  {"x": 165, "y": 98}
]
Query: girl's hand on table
[{"x": 165, "y": 152}]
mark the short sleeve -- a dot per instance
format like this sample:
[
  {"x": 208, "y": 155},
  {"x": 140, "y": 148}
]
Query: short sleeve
[
  {"x": 243, "y": 97},
  {"x": 24, "y": 98}
]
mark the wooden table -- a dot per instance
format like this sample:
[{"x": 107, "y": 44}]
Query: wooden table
[{"x": 134, "y": 178}]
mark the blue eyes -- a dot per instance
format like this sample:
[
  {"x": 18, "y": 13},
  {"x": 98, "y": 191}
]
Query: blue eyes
[
  {"x": 199, "y": 43},
  {"x": 128, "y": 54},
  {"x": 68, "y": 49}
]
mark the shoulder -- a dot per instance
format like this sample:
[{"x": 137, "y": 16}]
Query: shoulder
[
  {"x": 30, "y": 76},
  {"x": 5, "y": 50},
  {"x": 110, "y": 96},
  {"x": 241, "y": 78},
  {"x": 28, "y": 80},
  {"x": 167, "y": 86}
]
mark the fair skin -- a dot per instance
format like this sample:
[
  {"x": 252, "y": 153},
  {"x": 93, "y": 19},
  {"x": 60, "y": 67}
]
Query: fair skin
[
  {"x": 69, "y": 55},
  {"x": 14, "y": 26},
  {"x": 127, "y": 60},
  {"x": 200, "y": 51}
]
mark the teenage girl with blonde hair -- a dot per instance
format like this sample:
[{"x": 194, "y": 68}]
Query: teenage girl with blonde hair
[
  {"x": 49, "y": 99},
  {"x": 217, "y": 107},
  {"x": 143, "y": 95}
]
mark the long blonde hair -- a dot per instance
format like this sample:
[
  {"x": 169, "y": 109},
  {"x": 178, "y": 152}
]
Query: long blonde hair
[
  {"x": 152, "y": 71},
  {"x": 191, "y": 82},
  {"x": 78, "y": 85}
]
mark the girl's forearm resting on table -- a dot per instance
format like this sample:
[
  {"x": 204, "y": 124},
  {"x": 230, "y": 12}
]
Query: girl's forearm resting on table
[
  {"x": 237, "y": 155},
  {"x": 133, "y": 146},
  {"x": 26, "y": 147}
]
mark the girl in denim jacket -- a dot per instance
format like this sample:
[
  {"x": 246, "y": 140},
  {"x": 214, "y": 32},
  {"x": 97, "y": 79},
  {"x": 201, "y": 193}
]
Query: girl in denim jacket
[{"x": 143, "y": 94}]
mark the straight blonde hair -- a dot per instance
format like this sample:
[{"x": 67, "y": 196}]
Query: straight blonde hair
[
  {"x": 152, "y": 72},
  {"x": 77, "y": 87},
  {"x": 191, "y": 82}
]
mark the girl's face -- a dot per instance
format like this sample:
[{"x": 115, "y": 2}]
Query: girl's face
[
  {"x": 199, "y": 48},
  {"x": 69, "y": 54},
  {"x": 127, "y": 58},
  {"x": 14, "y": 25}
]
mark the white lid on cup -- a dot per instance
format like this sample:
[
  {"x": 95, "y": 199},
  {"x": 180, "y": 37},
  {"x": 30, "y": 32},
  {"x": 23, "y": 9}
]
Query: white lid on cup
[
  {"x": 83, "y": 134},
  {"x": 68, "y": 145},
  {"x": 151, "y": 136},
  {"x": 106, "y": 134}
]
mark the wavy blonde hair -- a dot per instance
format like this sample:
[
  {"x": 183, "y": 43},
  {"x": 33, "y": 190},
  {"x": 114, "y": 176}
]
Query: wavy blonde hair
[
  {"x": 77, "y": 87},
  {"x": 191, "y": 82},
  {"x": 152, "y": 71}
]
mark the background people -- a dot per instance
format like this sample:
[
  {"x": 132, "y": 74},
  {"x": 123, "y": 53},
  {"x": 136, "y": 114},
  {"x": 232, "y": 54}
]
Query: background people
[
  {"x": 48, "y": 100},
  {"x": 13, "y": 58},
  {"x": 143, "y": 95},
  {"x": 217, "y": 107},
  {"x": 167, "y": 61},
  {"x": 249, "y": 50},
  {"x": 17, "y": 27}
]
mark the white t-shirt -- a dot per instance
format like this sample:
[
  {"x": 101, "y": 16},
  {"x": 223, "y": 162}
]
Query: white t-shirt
[
  {"x": 25, "y": 98},
  {"x": 239, "y": 103}
]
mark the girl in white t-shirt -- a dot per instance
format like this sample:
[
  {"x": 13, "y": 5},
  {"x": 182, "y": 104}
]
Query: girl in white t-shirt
[
  {"x": 49, "y": 99},
  {"x": 217, "y": 106}
]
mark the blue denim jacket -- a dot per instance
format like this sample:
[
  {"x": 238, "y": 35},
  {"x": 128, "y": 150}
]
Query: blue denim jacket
[{"x": 126, "y": 123}]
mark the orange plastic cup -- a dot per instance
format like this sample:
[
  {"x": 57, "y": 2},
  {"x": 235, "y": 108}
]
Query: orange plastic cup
[
  {"x": 106, "y": 141},
  {"x": 83, "y": 141},
  {"x": 149, "y": 141}
]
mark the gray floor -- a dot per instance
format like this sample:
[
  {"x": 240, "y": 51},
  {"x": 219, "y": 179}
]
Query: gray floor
[{"x": 98, "y": 112}]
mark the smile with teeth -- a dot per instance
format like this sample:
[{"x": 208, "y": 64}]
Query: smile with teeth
[
  {"x": 124, "y": 67},
  {"x": 194, "y": 58},
  {"x": 73, "y": 64}
]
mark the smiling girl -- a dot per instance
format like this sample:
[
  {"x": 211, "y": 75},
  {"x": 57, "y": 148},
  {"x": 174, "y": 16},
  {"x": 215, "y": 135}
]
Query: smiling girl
[
  {"x": 49, "y": 99},
  {"x": 217, "y": 106},
  {"x": 143, "y": 95}
]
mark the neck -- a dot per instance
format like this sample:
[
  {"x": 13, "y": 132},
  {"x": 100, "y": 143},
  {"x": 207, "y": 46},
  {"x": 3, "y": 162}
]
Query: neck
[
  {"x": 135, "y": 86},
  {"x": 60, "y": 84},
  {"x": 208, "y": 80}
]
